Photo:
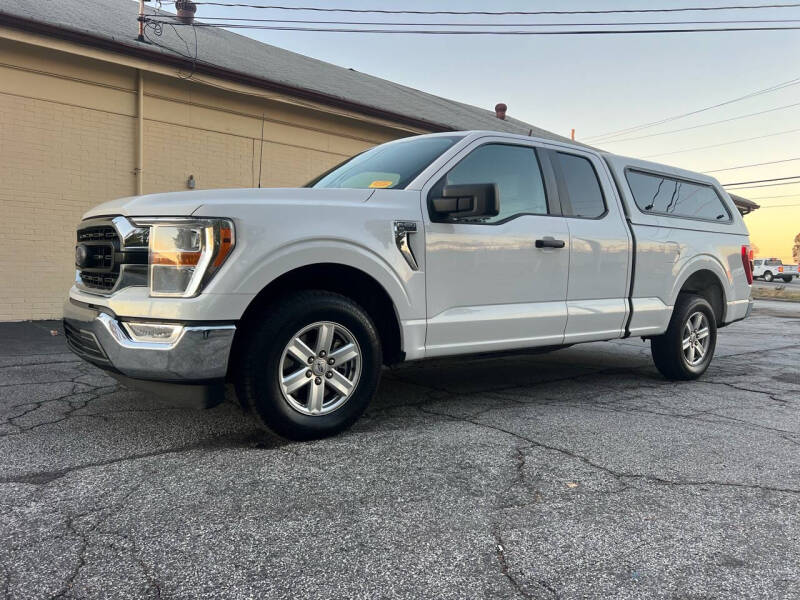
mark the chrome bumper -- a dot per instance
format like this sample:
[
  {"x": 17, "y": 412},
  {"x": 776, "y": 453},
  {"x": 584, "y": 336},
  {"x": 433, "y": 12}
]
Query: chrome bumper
[{"x": 199, "y": 353}]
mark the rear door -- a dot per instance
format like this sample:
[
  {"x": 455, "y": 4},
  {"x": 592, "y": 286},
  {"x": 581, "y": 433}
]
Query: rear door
[
  {"x": 600, "y": 246},
  {"x": 489, "y": 287}
]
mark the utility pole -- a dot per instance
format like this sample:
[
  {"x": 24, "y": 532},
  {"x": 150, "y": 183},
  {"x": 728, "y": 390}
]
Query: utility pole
[{"x": 572, "y": 135}]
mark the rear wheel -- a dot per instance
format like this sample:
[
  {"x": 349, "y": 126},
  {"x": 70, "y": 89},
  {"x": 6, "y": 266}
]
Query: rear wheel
[
  {"x": 787, "y": 279},
  {"x": 768, "y": 276},
  {"x": 686, "y": 348},
  {"x": 311, "y": 366}
]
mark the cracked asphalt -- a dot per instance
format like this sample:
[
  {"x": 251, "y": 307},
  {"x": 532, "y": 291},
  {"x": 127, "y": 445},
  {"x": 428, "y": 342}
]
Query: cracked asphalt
[{"x": 576, "y": 474}]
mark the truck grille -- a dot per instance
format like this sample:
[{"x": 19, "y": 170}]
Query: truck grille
[
  {"x": 107, "y": 262},
  {"x": 84, "y": 344},
  {"x": 97, "y": 233},
  {"x": 99, "y": 281},
  {"x": 97, "y": 268}
]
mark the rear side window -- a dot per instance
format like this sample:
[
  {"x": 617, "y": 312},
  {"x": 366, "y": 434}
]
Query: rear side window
[
  {"x": 773, "y": 262},
  {"x": 659, "y": 194},
  {"x": 515, "y": 171},
  {"x": 584, "y": 194}
]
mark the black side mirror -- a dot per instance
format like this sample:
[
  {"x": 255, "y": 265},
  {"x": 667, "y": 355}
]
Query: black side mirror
[{"x": 468, "y": 200}]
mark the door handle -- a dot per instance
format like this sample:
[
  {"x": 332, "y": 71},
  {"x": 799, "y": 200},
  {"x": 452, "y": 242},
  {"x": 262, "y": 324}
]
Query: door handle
[{"x": 549, "y": 242}]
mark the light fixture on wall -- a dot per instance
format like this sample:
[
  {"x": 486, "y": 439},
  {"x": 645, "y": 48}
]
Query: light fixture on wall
[{"x": 191, "y": 183}]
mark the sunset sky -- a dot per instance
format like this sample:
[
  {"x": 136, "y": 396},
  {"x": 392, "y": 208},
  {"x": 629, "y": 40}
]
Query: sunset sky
[{"x": 598, "y": 84}]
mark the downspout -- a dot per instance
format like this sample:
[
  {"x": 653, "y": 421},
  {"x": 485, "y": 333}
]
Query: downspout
[{"x": 139, "y": 133}]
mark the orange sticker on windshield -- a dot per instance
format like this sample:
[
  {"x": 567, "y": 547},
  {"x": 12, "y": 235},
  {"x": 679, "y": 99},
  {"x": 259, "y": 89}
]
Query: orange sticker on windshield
[{"x": 381, "y": 183}]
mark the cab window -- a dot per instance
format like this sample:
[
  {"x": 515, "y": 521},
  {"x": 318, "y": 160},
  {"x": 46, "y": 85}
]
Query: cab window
[
  {"x": 516, "y": 172},
  {"x": 584, "y": 196}
]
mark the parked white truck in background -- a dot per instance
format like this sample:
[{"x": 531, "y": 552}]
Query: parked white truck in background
[
  {"x": 770, "y": 269},
  {"x": 437, "y": 245}
]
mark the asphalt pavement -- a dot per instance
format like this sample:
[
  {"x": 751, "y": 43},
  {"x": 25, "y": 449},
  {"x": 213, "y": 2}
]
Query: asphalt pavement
[
  {"x": 794, "y": 284},
  {"x": 576, "y": 474}
]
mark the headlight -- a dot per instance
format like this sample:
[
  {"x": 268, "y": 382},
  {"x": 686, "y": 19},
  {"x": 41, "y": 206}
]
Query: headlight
[{"x": 186, "y": 253}]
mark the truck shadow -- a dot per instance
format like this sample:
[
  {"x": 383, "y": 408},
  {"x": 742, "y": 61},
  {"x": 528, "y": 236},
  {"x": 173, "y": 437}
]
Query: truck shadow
[
  {"x": 567, "y": 374},
  {"x": 55, "y": 396}
]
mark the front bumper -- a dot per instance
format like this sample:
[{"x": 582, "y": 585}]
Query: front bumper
[{"x": 199, "y": 353}]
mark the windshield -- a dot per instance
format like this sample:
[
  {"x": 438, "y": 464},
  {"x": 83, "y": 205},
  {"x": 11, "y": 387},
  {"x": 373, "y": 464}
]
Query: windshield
[{"x": 392, "y": 165}]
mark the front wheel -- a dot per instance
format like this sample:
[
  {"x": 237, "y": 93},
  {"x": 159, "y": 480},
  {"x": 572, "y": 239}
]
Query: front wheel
[
  {"x": 768, "y": 276},
  {"x": 310, "y": 367},
  {"x": 787, "y": 279},
  {"x": 686, "y": 348}
]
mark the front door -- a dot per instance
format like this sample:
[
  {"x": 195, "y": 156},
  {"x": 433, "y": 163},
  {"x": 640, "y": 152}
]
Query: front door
[{"x": 490, "y": 286}]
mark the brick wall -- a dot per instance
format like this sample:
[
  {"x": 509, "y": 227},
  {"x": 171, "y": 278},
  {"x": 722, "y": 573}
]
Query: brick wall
[
  {"x": 56, "y": 161},
  {"x": 68, "y": 128}
]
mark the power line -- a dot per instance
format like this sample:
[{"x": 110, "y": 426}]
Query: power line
[
  {"x": 451, "y": 24},
  {"x": 779, "y": 206},
  {"x": 156, "y": 29},
  {"x": 483, "y": 32},
  {"x": 498, "y": 13},
  {"x": 779, "y": 196},
  {"x": 773, "y": 162},
  {"x": 777, "y": 86},
  {"x": 750, "y": 187},
  {"x": 763, "y": 180},
  {"x": 702, "y": 125},
  {"x": 758, "y": 137}
]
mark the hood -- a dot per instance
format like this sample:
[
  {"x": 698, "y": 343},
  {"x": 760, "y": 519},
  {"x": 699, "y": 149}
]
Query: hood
[{"x": 178, "y": 204}]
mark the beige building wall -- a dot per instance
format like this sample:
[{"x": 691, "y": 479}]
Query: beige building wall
[{"x": 69, "y": 139}]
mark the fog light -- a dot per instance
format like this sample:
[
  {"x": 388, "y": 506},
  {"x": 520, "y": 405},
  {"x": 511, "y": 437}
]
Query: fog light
[{"x": 153, "y": 332}]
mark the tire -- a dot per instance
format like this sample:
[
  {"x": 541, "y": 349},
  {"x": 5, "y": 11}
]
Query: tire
[
  {"x": 303, "y": 407},
  {"x": 787, "y": 279},
  {"x": 768, "y": 276},
  {"x": 668, "y": 352}
]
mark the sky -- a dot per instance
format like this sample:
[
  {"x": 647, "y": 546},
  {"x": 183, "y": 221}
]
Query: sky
[{"x": 598, "y": 84}]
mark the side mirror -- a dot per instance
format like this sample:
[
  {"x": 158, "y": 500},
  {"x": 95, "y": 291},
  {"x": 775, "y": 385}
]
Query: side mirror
[{"x": 468, "y": 200}]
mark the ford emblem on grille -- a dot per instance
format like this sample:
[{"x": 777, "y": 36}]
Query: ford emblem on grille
[{"x": 81, "y": 256}]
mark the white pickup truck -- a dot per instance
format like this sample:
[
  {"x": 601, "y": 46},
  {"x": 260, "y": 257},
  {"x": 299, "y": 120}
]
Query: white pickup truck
[
  {"x": 770, "y": 269},
  {"x": 431, "y": 246}
]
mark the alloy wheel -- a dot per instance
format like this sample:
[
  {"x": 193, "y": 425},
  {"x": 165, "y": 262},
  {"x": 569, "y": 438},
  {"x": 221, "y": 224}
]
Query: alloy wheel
[
  {"x": 320, "y": 368},
  {"x": 696, "y": 338}
]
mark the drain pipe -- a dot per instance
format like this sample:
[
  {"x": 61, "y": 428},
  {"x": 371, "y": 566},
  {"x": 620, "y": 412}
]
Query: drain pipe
[{"x": 139, "y": 133}]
